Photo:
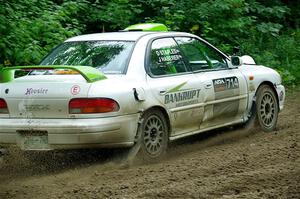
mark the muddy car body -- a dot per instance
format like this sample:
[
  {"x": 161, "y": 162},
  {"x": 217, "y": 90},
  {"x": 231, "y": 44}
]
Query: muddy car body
[{"x": 154, "y": 86}]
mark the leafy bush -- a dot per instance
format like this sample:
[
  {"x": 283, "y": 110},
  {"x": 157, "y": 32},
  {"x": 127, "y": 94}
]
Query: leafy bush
[
  {"x": 267, "y": 30},
  {"x": 31, "y": 28},
  {"x": 280, "y": 52}
]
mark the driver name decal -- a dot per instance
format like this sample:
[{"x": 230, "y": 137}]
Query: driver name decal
[{"x": 168, "y": 55}]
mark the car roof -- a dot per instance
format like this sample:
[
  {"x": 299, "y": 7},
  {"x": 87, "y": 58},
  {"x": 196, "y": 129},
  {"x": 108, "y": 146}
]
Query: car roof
[
  {"x": 120, "y": 36},
  {"x": 133, "y": 36}
]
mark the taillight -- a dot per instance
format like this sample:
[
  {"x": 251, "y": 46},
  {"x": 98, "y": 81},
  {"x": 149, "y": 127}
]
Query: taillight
[
  {"x": 92, "y": 105},
  {"x": 3, "y": 107}
]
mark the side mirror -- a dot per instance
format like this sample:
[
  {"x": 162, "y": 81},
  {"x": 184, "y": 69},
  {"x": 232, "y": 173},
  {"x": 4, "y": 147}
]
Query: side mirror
[{"x": 236, "y": 61}]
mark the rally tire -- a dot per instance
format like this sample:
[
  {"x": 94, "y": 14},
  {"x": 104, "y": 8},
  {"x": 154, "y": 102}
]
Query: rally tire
[
  {"x": 154, "y": 134},
  {"x": 266, "y": 108}
]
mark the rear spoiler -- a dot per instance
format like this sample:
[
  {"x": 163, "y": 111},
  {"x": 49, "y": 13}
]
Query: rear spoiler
[{"x": 91, "y": 74}]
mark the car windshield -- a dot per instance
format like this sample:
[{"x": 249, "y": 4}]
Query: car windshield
[{"x": 110, "y": 57}]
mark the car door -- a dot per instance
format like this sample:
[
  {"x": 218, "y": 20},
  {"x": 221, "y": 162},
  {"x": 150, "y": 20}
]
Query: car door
[
  {"x": 173, "y": 85},
  {"x": 225, "y": 91}
]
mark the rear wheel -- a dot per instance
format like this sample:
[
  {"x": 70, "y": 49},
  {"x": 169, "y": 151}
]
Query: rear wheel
[
  {"x": 152, "y": 139},
  {"x": 152, "y": 136},
  {"x": 266, "y": 108}
]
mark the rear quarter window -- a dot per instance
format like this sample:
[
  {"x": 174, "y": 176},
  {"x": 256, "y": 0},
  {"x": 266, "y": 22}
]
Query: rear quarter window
[{"x": 165, "y": 58}]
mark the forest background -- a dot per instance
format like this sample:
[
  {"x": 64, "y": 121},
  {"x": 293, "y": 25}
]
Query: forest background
[{"x": 268, "y": 30}]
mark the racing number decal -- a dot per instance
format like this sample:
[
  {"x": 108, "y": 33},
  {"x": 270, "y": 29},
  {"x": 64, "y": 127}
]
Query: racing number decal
[
  {"x": 226, "y": 88},
  {"x": 223, "y": 84}
]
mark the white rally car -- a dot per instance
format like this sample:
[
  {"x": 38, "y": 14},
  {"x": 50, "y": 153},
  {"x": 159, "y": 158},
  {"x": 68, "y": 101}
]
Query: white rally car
[{"x": 144, "y": 86}]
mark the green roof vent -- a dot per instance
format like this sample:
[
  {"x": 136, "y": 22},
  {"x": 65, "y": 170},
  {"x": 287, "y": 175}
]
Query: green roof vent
[{"x": 147, "y": 27}]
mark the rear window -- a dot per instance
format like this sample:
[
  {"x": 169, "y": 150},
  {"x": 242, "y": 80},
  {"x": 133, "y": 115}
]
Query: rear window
[{"x": 110, "y": 57}]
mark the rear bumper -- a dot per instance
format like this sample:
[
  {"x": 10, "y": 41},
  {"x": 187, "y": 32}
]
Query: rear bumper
[{"x": 117, "y": 131}]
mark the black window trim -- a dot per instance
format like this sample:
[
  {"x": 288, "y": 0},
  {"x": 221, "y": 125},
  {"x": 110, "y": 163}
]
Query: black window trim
[{"x": 226, "y": 58}]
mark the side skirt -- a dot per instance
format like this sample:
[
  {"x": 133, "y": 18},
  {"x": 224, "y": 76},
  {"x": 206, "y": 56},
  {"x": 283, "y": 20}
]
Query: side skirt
[{"x": 206, "y": 129}]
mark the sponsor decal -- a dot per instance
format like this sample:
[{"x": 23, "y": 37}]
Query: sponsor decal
[
  {"x": 281, "y": 96},
  {"x": 251, "y": 86},
  {"x": 181, "y": 97},
  {"x": 176, "y": 88},
  {"x": 75, "y": 89},
  {"x": 37, "y": 107},
  {"x": 227, "y": 83},
  {"x": 39, "y": 91}
]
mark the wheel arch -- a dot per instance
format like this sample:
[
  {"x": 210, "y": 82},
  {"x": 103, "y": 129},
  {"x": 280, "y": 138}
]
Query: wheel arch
[
  {"x": 164, "y": 112},
  {"x": 272, "y": 86},
  {"x": 269, "y": 123}
]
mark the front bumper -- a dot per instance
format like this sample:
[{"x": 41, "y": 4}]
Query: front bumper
[{"x": 51, "y": 134}]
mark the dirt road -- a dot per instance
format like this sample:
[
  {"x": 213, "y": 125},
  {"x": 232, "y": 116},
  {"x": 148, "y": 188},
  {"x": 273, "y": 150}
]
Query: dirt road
[{"x": 228, "y": 164}]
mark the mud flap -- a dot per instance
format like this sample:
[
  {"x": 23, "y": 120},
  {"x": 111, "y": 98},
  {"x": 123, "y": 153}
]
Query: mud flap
[
  {"x": 250, "y": 123},
  {"x": 132, "y": 152}
]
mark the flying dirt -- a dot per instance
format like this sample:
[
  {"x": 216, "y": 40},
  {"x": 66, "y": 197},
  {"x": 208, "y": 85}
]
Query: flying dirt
[{"x": 226, "y": 163}]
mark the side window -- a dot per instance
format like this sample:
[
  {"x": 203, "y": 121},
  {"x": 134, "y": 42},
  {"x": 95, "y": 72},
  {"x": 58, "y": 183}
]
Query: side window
[
  {"x": 165, "y": 58},
  {"x": 201, "y": 56}
]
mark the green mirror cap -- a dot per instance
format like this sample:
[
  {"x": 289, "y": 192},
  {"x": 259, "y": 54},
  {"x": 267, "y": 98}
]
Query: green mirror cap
[
  {"x": 147, "y": 27},
  {"x": 89, "y": 73}
]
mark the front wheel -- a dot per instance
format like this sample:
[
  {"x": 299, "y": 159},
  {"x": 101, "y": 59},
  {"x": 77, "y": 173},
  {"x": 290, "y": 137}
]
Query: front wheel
[{"x": 266, "y": 108}]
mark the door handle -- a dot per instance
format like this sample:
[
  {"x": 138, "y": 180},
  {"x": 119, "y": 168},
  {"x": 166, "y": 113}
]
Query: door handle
[{"x": 208, "y": 86}]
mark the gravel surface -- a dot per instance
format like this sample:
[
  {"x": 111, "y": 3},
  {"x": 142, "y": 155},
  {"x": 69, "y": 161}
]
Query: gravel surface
[{"x": 228, "y": 163}]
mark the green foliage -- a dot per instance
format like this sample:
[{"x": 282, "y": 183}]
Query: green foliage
[
  {"x": 267, "y": 30},
  {"x": 281, "y": 53},
  {"x": 106, "y": 16},
  {"x": 30, "y": 29}
]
